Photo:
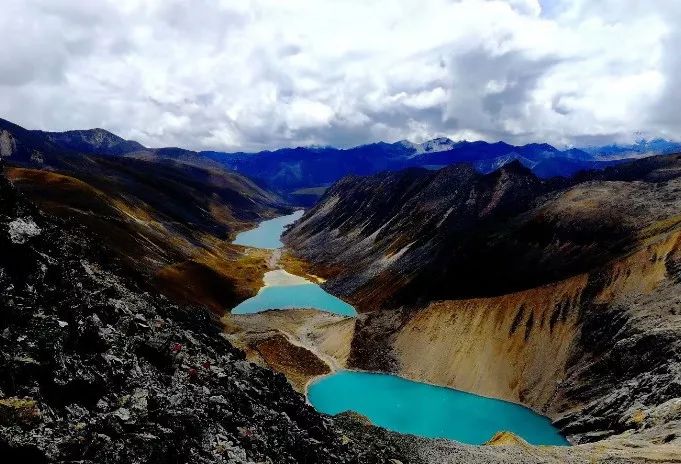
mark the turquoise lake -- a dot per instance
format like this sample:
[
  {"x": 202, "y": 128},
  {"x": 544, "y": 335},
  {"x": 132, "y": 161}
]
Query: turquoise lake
[
  {"x": 268, "y": 233},
  {"x": 307, "y": 296},
  {"x": 300, "y": 293},
  {"x": 420, "y": 409}
]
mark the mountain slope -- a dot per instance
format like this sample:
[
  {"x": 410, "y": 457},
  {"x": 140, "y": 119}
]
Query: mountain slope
[
  {"x": 170, "y": 219},
  {"x": 396, "y": 238},
  {"x": 94, "y": 368},
  {"x": 95, "y": 141}
]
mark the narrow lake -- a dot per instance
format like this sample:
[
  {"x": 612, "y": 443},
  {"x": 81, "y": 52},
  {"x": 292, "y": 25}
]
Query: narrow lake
[
  {"x": 268, "y": 233},
  {"x": 420, "y": 409},
  {"x": 282, "y": 290},
  {"x": 294, "y": 294}
]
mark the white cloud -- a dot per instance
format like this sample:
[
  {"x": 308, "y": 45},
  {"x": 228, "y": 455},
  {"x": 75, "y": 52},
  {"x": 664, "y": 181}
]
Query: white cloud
[
  {"x": 265, "y": 73},
  {"x": 307, "y": 114}
]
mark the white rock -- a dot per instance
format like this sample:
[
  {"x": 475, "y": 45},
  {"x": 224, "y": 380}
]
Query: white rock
[{"x": 21, "y": 229}]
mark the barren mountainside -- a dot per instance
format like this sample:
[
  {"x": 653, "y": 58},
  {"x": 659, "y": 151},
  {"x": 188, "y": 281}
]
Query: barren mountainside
[
  {"x": 563, "y": 296},
  {"x": 416, "y": 236},
  {"x": 170, "y": 219}
]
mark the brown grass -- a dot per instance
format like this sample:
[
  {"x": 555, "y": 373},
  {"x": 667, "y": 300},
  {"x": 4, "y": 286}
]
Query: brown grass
[
  {"x": 297, "y": 363},
  {"x": 300, "y": 267},
  {"x": 187, "y": 265},
  {"x": 219, "y": 278}
]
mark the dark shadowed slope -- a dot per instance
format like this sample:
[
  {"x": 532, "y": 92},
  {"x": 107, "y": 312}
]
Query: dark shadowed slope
[
  {"x": 400, "y": 238},
  {"x": 95, "y": 141}
]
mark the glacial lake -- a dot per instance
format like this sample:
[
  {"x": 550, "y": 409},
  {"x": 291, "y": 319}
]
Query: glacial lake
[
  {"x": 429, "y": 411},
  {"x": 304, "y": 296},
  {"x": 283, "y": 290},
  {"x": 268, "y": 233}
]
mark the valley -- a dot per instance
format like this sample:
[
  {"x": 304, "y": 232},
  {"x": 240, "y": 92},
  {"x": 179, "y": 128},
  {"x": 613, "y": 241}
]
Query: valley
[
  {"x": 282, "y": 290},
  {"x": 549, "y": 298},
  {"x": 570, "y": 349},
  {"x": 386, "y": 399},
  {"x": 340, "y": 232}
]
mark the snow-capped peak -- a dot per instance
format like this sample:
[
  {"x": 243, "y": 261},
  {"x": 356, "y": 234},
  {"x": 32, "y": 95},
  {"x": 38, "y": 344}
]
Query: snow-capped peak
[{"x": 430, "y": 146}]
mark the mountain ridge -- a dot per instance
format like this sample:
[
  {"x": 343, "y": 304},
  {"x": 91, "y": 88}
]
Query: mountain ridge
[
  {"x": 420, "y": 220},
  {"x": 288, "y": 170},
  {"x": 170, "y": 219}
]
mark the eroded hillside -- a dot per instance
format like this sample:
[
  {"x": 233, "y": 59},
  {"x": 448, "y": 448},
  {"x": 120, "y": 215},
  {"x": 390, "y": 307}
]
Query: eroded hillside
[
  {"x": 589, "y": 334},
  {"x": 169, "y": 219}
]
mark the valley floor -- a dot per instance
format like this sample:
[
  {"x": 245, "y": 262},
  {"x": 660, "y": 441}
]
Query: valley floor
[{"x": 528, "y": 347}]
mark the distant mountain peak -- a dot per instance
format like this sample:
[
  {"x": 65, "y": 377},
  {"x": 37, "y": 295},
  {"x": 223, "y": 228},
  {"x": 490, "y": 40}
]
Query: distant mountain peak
[
  {"x": 541, "y": 146},
  {"x": 641, "y": 147},
  {"x": 435, "y": 145},
  {"x": 96, "y": 140}
]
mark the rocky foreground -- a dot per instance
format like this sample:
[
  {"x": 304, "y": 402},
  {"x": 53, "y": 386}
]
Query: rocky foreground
[{"x": 95, "y": 369}]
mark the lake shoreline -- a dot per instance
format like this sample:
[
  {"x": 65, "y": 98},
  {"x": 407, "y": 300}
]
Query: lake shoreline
[{"x": 442, "y": 390}]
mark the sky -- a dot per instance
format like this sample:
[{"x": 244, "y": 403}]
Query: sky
[{"x": 260, "y": 74}]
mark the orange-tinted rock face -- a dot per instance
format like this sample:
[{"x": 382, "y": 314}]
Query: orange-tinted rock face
[
  {"x": 513, "y": 347},
  {"x": 518, "y": 346}
]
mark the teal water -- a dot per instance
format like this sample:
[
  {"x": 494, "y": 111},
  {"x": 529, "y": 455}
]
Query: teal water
[
  {"x": 306, "y": 296},
  {"x": 420, "y": 409},
  {"x": 267, "y": 234},
  {"x": 303, "y": 296}
]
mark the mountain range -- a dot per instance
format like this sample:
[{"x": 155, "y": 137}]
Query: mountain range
[
  {"x": 301, "y": 174},
  {"x": 469, "y": 267}
]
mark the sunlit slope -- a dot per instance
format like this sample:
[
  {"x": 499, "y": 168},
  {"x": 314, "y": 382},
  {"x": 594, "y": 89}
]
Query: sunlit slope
[{"x": 172, "y": 220}]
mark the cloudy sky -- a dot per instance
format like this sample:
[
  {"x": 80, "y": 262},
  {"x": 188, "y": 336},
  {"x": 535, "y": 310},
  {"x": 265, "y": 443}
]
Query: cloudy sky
[{"x": 255, "y": 74}]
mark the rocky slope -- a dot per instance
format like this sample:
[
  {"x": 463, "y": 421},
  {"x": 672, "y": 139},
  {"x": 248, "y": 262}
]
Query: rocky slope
[
  {"x": 169, "y": 219},
  {"x": 94, "y": 367},
  {"x": 415, "y": 236}
]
